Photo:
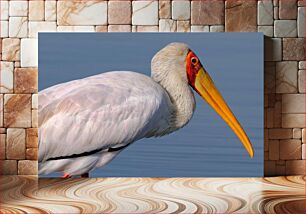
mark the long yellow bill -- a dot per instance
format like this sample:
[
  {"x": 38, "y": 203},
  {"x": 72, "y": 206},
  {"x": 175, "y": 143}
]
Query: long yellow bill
[{"x": 207, "y": 89}]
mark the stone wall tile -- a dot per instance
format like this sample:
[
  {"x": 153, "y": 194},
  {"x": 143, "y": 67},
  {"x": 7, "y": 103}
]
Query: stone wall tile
[
  {"x": 18, "y": 8},
  {"x": 290, "y": 149},
  {"x": 18, "y": 27},
  {"x": 273, "y": 49},
  {"x": 265, "y": 12},
  {"x": 34, "y": 118},
  {"x": 36, "y": 10},
  {"x": 32, "y": 154},
  {"x": 293, "y": 120},
  {"x": 26, "y": 80},
  {"x": 6, "y": 77},
  {"x": 8, "y": 167},
  {"x": 4, "y": 29},
  {"x": 76, "y": 28},
  {"x": 293, "y": 103},
  {"x": 301, "y": 3},
  {"x": 275, "y": 13},
  {"x": 207, "y": 12},
  {"x": 302, "y": 65},
  {"x": 50, "y": 10},
  {"x": 286, "y": 77},
  {"x": 301, "y": 81},
  {"x": 280, "y": 133},
  {"x": 164, "y": 9},
  {"x": 285, "y": 28},
  {"x": 34, "y": 101},
  {"x": 15, "y": 144},
  {"x": 141, "y": 28},
  {"x": 145, "y": 13},
  {"x": 180, "y": 10},
  {"x": 304, "y": 135},
  {"x": 4, "y": 10},
  {"x": 241, "y": 15},
  {"x": 297, "y": 133},
  {"x": 11, "y": 49},
  {"x": 101, "y": 28},
  {"x": 183, "y": 26},
  {"x": 303, "y": 151},
  {"x": 119, "y": 28},
  {"x": 29, "y": 53},
  {"x": 269, "y": 77},
  {"x": 216, "y": 28},
  {"x": 2, "y": 146},
  {"x": 27, "y": 167},
  {"x": 17, "y": 110},
  {"x": 32, "y": 138},
  {"x": 167, "y": 25},
  {"x": 266, "y": 30},
  {"x": 199, "y": 28},
  {"x": 287, "y": 9},
  {"x": 119, "y": 12},
  {"x": 293, "y": 49},
  {"x": 90, "y": 12},
  {"x": 273, "y": 150},
  {"x": 269, "y": 168},
  {"x": 1, "y": 110},
  {"x": 301, "y": 21},
  {"x": 40, "y": 26},
  {"x": 295, "y": 167},
  {"x": 278, "y": 114}
]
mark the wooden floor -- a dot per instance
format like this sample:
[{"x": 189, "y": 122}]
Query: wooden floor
[{"x": 153, "y": 195}]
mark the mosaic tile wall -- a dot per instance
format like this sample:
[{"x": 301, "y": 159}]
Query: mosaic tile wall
[{"x": 282, "y": 21}]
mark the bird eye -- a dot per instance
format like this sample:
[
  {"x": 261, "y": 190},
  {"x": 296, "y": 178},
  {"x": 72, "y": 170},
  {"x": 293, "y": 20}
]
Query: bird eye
[{"x": 194, "y": 60}]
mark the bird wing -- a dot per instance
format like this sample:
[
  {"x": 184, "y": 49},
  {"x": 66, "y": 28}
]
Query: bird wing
[{"x": 108, "y": 110}]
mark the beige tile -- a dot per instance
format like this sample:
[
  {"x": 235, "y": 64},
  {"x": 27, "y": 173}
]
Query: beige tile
[
  {"x": 2, "y": 146},
  {"x": 101, "y": 28},
  {"x": 293, "y": 120},
  {"x": 207, "y": 12},
  {"x": 180, "y": 10},
  {"x": 216, "y": 28},
  {"x": 297, "y": 133},
  {"x": 144, "y": 28},
  {"x": 290, "y": 149},
  {"x": 1, "y": 110},
  {"x": 167, "y": 25},
  {"x": 11, "y": 49},
  {"x": 18, "y": 27},
  {"x": 50, "y": 10},
  {"x": 145, "y": 13},
  {"x": 273, "y": 150},
  {"x": 295, "y": 167},
  {"x": 34, "y": 118},
  {"x": 119, "y": 28},
  {"x": 8, "y": 167},
  {"x": 301, "y": 81},
  {"x": 303, "y": 135},
  {"x": 164, "y": 9},
  {"x": 4, "y": 10},
  {"x": 36, "y": 10},
  {"x": 27, "y": 167},
  {"x": 303, "y": 151},
  {"x": 15, "y": 144},
  {"x": 17, "y": 110},
  {"x": 183, "y": 26},
  {"x": 199, "y": 28},
  {"x": 18, "y": 8},
  {"x": 75, "y": 29},
  {"x": 7, "y": 76},
  {"x": 34, "y": 101},
  {"x": 29, "y": 52},
  {"x": 119, "y": 12},
  {"x": 26, "y": 80},
  {"x": 38, "y": 26},
  {"x": 4, "y": 29},
  {"x": 32, "y": 154},
  {"x": 280, "y": 133},
  {"x": 293, "y": 103},
  {"x": 32, "y": 138}
]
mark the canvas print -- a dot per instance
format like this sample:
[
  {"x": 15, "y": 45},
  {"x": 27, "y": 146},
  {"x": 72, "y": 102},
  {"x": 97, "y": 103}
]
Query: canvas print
[{"x": 150, "y": 105}]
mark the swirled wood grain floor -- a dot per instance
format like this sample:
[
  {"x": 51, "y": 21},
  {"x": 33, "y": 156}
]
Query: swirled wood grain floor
[{"x": 154, "y": 195}]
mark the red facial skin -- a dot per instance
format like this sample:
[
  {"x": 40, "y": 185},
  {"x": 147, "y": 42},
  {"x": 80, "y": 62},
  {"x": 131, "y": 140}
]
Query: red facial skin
[{"x": 193, "y": 65}]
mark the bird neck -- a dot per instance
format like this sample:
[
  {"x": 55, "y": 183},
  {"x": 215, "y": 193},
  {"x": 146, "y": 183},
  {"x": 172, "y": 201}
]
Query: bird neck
[{"x": 181, "y": 96}]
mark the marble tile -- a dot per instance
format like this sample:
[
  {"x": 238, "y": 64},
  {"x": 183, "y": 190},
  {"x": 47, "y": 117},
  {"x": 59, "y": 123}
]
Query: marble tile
[
  {"x": 144, "y": 28},
  {"x": 167, "y": 25},
  {"x": 7, "y": 76},
  {"x": 280, "y": 133},
  {"x": 91, "y": 12},
  {"x": 265, "y": 12},
  {"x": 1, "y": 110},
  {"x": 4, "y": 29},
  {"x": 36, "y": 10},
  {"x": 293, "y": 49},
  {"x": 297, "y": 133},
  {"x": 287, "y": 9},
  {"x": 15, "y": 144},
  {"x": 34, "y": 118},
  {"x": 2, "y": 146},
  {"x": 269, "y": 77},
  {"x": 239, "y": 15},
  {"x": 290, "y": 149},
  {"x": 293, "y": 103},
  {"x": 301, "y": 81},
  {"x": 11, "y": 49},
  {"x": 266, "y": 30},
  {"x": 18, "y": 27},
  {"x": 34, "y": 101},
  {"x": 302, "y": 65},
  {"x": 38, "y": 26},
  {"x": 273, "y": 150},
  {"x": 17, "y": 110},
  {"x": 29, "y": 53},
  {"x": 4, "y": 10},
  {"x": 285, "y": 28},
  {"x": 18, "y": 8},
  {"x": 8, "y": 167},
  {"x": 145, "y": 13},
  {"x": 303, "y": 151},
  {"x": 119, "y": 28},
  {"x": 216, "y": 28},
  {"x": 304, "y": 135},
  {"x": 273, "y": 49},
  {"x": 75, "y": 29},
  {"x": 180, "y": 10},
  {"x": 119, "y": 12},
  {"x": 207, "y": 12},
  {"x": 164, "y": 9},
  {"x": 293, "y": 120},
  {"x": 50, "y": 10},
  {"x": 275, "y": 13},
  {"x": 26, "y": 80},
  {"x": 27, "y": 167},
  {"x": 32, "y": 138},
  {"x": 301, "y": 21},
  {"x": 199, "y": 28},
  {"x": 183, "y": 26},
  {"x": 286, "y": 77}
]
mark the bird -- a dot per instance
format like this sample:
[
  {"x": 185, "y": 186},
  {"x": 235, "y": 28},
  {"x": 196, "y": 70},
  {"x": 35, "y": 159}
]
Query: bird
[{"x": 85, "y": 123}]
